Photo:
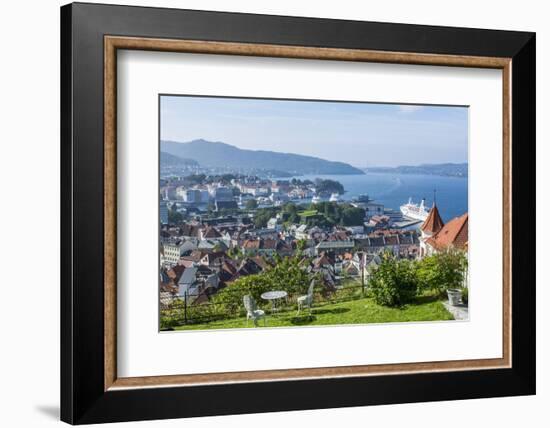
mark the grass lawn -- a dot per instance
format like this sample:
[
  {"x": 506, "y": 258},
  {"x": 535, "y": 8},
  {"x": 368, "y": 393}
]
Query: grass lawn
[
  {"x": 308, "y": 213},
  {"x": 361, "y": 311}
]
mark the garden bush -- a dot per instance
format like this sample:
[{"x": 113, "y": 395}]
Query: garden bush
[
  {"x": 442, "y": 271},
  {"x": 394, "y": 282},
  {"x": 286, "y": 275}
]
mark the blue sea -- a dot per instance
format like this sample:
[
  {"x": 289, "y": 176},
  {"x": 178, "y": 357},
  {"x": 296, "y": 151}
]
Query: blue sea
[{"x": 394, "y": 190}]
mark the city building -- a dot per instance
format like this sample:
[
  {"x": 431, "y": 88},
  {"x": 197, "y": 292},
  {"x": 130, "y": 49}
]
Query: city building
[
  {"x": 222, "y": 194},
  {"x": 163, "y": 212},
  {"x": 337, "y": 247},
  {"x": 173, "y": 251}
]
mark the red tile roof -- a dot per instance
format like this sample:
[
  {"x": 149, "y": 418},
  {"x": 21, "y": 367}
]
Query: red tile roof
[
  {"x": 453, "y": 234},
  {"x": 210, "y": 232},
  {"x": 433, "y": 223},
  {"x": 251, "y": 244}
]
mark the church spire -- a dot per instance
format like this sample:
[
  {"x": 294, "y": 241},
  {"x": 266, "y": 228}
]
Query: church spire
[{"x": 433, "y": 222}]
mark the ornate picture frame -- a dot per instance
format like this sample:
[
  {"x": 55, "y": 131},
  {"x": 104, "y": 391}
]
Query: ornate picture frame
[{"x": 91, "y": 389}]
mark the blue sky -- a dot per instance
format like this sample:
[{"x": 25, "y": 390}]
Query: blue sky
[{"x": 361, "y": 134}]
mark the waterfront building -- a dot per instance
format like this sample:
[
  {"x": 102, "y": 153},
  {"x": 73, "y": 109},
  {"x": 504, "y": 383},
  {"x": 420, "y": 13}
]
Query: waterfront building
[
  {"x": 169, "y": 192},
  {"x": 222, "y": 194},
  {"x": 189, "y": 195},
  {"x": 163, "y": 212}
]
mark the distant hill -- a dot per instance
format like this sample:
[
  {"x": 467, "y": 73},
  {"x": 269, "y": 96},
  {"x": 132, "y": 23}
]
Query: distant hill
[
  {"x": 221, "y": 155},
  {"x": 167, "y": 159},
  {"x": 442, "y": 169}
]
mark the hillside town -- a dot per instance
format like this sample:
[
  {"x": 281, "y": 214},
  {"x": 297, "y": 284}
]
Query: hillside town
[{"x": 217, "y": 230}]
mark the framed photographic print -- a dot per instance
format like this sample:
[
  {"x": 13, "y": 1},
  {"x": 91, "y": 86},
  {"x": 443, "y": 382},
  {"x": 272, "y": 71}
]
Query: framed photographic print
[{"x": 276, "y": 213}]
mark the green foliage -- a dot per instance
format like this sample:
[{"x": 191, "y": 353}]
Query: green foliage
[
  {"x": 301, "y": 245},
  {"x": 335, "y": 214},
  {"x": 322, "y": 214},
  {"x": 263, "y": 215},
  {"x": 171, "y": 317},
  {"x": 251, "y": 204},
  {"x": 195, "y": 179},
  {"x": 442, "y": 271},
  {"x": 328, "y": 186},
  {"x": 175, "y": 217},
  {"x": 225, "y": 179},
  {"x": 231, "y": 297},
  {"x": 355, "y": 311},
  {"x": 290, "y": 213},
  {"x": 308, "y": 213},
  {"x": 235, "y": 253},
  {"x": 394, "y": 282},
  {"x": 352, "y": 216},
  {"x": 287, "y": 276},
  {"x": 174, "y": 316},
  {"x": 298, "y": 182},
  {"x": 316, "y": 220}
]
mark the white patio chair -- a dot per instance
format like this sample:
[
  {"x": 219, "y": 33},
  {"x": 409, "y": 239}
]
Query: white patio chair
[
  {"x": 307, "y": 300},
  {"x": 252, "y": 312}
]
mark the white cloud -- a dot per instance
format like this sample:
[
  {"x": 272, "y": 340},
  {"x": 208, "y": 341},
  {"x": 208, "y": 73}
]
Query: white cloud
[{"x": 409, "y": 108}]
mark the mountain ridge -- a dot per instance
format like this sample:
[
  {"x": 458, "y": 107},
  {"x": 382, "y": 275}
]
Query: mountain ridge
[
  {"x": 168, "y": 159},
  {"x": 446, "y": 169},
  {"x": 222, "y": 155}
]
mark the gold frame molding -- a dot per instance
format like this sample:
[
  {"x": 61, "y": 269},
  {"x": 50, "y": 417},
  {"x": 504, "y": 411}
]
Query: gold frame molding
[{"x": 113, "y": 43}]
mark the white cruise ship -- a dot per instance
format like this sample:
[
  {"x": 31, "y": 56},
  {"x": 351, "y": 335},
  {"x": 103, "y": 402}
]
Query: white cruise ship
[
  {"x": 415, "y": 211},
  {"x": 316, "y": 199}
]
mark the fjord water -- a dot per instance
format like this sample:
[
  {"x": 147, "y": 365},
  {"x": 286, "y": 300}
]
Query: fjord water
[{"x": 394, "y": 190}]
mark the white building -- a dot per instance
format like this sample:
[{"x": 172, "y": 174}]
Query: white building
[
  {"x": 301, "y": 232},
  {"x": 274, "y": 224},
  {"x": 372, "y": 209},
  {"x": 173, "y": 251}
]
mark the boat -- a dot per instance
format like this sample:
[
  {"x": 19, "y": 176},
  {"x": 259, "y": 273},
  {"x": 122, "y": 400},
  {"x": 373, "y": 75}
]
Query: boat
[
  {"x": 316, "y": 199},
  {"x": 335, "y": 197},
  {"x": 415, "y": 211}
]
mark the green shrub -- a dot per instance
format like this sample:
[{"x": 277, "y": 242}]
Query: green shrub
[
  {"x": 286, "y": 275},
  {"x": 442, "y": 271},
  {"x": 230, "y": 299},
  {"x": 173, "y": 316},
  {"x": 394, "y": 282}
]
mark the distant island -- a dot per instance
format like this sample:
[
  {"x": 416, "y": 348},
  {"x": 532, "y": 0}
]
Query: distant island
[
  {"x": 441, "y": 169},
  {"x": 225, "y": 156}
]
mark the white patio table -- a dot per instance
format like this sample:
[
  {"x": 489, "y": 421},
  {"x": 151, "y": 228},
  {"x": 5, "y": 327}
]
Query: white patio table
[{"x": 274, "y": 297}]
